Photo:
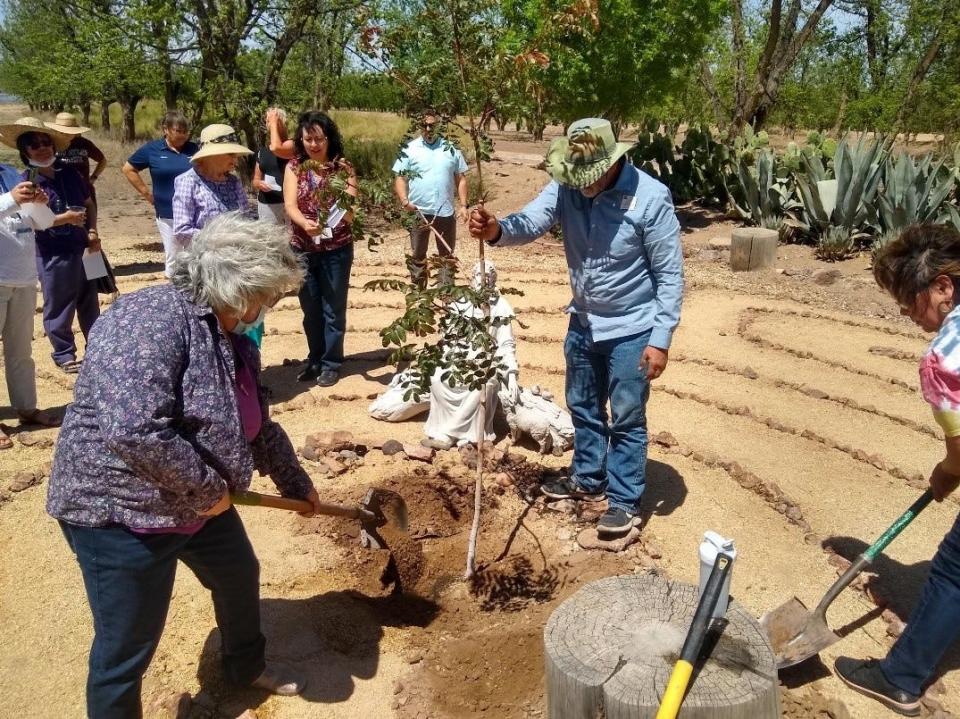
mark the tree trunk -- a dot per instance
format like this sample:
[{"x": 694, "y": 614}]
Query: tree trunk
[
  {"x": 919, "y": 73},
  {"x": 105, "y": 115},
  {"x": 85, "y": 113},
  {"x": 610, "y": 648},
  {"x": 128, "y": 106}
]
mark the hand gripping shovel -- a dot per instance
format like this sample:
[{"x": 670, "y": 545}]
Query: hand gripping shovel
[
  {"x": 379, "y": 508},
  {"x": 795, "y": 632},
  {"x": 676, "y": 689}
]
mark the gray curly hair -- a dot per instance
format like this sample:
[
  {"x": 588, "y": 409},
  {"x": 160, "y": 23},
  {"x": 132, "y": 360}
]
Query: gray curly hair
[{"x": 234, "y": 263}]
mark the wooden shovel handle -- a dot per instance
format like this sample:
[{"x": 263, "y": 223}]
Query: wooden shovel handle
[{"x": 256, "y": 499}]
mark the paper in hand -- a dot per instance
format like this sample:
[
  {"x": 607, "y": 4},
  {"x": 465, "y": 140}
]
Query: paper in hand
[{"x": 93, "y": 265}]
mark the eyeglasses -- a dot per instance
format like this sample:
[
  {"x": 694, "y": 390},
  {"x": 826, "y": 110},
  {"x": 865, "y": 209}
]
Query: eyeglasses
[
  {"x": 42, "y": 141},
  {"x": 223, "y": 139}
]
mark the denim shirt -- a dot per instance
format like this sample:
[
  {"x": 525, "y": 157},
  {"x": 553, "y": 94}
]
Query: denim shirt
[
  {"x": 623, "y": 254},
  {"x": 154, "y": 435}
]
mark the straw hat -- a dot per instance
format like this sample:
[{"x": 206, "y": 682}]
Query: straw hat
[
  {"x": 219, "y": 140},
  {"x": 588, "y": 150},
  {"x": 66, "y": 122},
  {"x": 10, "y": 133}
]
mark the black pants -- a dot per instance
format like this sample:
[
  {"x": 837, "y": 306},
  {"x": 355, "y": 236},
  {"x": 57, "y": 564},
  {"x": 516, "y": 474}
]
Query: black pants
[{"x": 129, "y": 582}]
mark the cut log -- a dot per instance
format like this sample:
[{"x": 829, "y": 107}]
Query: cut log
[
  {"x": 610, "y": 648},
  {"x": 753, "y": 248}
]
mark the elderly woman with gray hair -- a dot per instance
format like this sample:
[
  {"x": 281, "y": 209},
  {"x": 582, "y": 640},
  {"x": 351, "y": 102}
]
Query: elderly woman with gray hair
[{"x": 168, "y": 418}]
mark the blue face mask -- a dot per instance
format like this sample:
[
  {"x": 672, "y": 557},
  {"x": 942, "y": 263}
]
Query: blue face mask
[{"x": 244, "y": 327}]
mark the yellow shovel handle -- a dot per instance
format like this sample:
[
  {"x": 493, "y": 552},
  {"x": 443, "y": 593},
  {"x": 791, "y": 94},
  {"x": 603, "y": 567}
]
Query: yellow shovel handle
[{"x": 675, "y": 691}]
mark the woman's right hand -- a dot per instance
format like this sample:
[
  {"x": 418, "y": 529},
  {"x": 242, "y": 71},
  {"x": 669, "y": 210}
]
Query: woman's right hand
[
  {"x": 72, "y": 217},
  {"x": 312, "y": 227},
  {"x": 262, "y": 186},
  {"x": 943, "y": 483},
  {"x": 148, "y": 196},
  {"x": 24, "y": 192},
  {"x": 222, "y": 505}
]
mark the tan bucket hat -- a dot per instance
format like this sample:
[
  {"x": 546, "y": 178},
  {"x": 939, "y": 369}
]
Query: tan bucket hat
[
  {"x": 219, "y": 140},
  {"x": 10, "y": 133},
  {"x": 66, "y": 122},
  {"x": 588, "y": 150}
]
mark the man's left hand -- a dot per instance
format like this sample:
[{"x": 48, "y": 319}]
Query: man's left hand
[
  {"x": 463, "y": 214},
  {"x": 653, "y": 361}
]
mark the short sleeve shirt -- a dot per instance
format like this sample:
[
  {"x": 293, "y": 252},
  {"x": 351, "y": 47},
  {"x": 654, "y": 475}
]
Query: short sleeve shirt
[
  {"x": 79, "y": 154},
  {"x": 66, "y": 188},
  {"x": 272, "y": 166},
  {"x": 431, "y": 171},
  {"x": 165, "y": 166},
  {"x": 940, "y": 375}
]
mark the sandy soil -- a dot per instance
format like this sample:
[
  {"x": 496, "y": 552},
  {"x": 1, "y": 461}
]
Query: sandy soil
[{"x": 794, "y": 424}]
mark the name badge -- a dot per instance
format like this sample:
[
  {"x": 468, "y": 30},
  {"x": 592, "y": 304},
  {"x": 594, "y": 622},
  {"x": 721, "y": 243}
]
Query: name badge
[{"x": 628, "y": 202}]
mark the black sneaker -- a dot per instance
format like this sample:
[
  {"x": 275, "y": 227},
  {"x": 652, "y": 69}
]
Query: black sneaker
[
  {"x": 310, "y": 373},
  {"x": 567, "y": 488},
  {"x": 866, "y": 677},
  {"x": 328, "y": 378},
  {"x": 616, "y": 521}
]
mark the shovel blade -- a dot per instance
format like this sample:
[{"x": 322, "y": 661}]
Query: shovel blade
[{"x": 796, "y": 633}]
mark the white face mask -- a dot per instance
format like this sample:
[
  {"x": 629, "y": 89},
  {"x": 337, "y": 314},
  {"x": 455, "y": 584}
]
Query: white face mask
[
  {"x": 244, "y": 327},
  {"x": 43, "y": 163}
]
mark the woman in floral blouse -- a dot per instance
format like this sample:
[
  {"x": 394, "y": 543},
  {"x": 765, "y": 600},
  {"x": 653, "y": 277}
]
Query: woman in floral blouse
[
  {"x": 168, "y": 418},
  {"x": 321, "y": 231}
]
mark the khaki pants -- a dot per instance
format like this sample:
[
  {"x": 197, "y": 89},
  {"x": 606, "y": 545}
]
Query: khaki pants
[
  {"x": 17, "y": 307},
  {"x": 420, "y": 243}
]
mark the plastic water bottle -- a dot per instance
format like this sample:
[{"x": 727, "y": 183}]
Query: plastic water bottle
[{"x": 710, "y": 547}]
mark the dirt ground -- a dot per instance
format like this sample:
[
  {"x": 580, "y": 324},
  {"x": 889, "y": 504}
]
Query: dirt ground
[{"x": 788, "y": 418}]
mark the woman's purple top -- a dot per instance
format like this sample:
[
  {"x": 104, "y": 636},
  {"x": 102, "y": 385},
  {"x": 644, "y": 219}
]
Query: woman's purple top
[
  {"x": 66, "y": 188},
  {"x": 154, "y": 434}
]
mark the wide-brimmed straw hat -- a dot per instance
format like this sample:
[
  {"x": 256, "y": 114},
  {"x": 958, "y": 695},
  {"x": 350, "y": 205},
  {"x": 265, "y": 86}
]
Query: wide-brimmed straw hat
[
  {"x": 66, "y": 122},
  {"x": 588, "y": 150},
  {"x": 219, "y": 140},
  {"x": 10, "y": 133}
]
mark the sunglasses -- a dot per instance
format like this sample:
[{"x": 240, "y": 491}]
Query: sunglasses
[
  {"x": 223, "y": 139},
  {"x": 39, "y": 142}
]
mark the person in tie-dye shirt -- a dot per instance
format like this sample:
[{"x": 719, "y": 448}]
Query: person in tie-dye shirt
[{"x": 921, "y": 270}]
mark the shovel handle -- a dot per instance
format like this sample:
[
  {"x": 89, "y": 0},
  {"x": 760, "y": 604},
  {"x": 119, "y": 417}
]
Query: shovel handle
[
  {"x": 893, "y": 531},
  {"x": 256, "y": 499}
]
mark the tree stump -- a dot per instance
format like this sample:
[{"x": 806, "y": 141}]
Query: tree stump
[
  {"x": 752, "y": 248},
  {"x": 610, "y": 648}
]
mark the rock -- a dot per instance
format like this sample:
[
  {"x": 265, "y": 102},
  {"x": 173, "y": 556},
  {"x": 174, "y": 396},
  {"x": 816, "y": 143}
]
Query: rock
[
  {"x": 503, "y": 479},
  {"x": 839, "y": 562},
  {"x": 172, "y": 706},
  {"x": 32, "y": 439},
  {"x": 710, "y": 255},
  {"x": 794, "y": 513},
  {"x": 287, "y": 362},
  {"x": 789, "y": 272},
  {"x": 334, "y": 466},
  {"x": 750, "y": 373},
  {"x": 895, "y": 625},
  {"x": 331, "y": 441},
  {"x": 24, "y": 480},
  {"x": 391, "y": 447},
  {"x": 720, "y": 243},
  {"x": 249, "y": 713},
  {"x": 665, "y": 439},
  {"x": 419, "y": 452},
  {"x": 310, "y": 452},
  {"x": 319, "y": 398},
  {"x": 414, "y": 656},
  {"x": 825, "y": 277},
  {"x": 348, "y": 455},
  {"x": 589, "y": 539}
]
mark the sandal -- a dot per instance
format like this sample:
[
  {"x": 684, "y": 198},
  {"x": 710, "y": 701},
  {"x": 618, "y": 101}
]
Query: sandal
[
  {"x": 5, "y": 441},
  {"x": 282, "y": 682},
  {"x": 41, "y": 417},
  {"x": 71, "y": 367}
]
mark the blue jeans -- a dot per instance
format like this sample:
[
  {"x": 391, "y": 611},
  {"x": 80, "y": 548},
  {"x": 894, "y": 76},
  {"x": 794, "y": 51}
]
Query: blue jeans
[
  {"x": 129, "y": 582},
  {"x": 608, "y": 456},
  {"x": 323, "y": 299},
  {"x": 934, "y": 623}
]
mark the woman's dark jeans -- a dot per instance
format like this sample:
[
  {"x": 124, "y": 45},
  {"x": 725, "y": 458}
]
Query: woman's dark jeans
[
  {"x": 129, "y": 582},
  {"x": 934, "y": 623},
  {"x": 323, "y": 298}
]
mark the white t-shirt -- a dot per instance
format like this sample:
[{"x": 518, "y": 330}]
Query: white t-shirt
[
  {"x": 432, "y": 171},
  {"x": 18, "y": 264}
]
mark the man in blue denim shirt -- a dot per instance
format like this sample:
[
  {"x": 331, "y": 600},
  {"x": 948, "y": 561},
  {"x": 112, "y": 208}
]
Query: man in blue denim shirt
[{"x": 622, "y": 242}]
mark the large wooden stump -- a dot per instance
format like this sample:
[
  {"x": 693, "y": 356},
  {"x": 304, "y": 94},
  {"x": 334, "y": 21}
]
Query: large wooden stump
[
  {"x": 753, "y": 248},
  {"x": 609, "y": 650}
]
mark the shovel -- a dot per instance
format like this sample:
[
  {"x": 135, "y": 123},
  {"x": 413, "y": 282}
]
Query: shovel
[
  {"x": 380, "y": 508},
  {"x": 795, "y": 632}
]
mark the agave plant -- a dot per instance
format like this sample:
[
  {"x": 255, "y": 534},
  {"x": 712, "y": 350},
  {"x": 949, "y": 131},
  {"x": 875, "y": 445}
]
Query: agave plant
[
  {"x": 848, "y": 201},
  {"x": 758, "y": 195},
  {"x": 914, "y": 191},
  {"x": 837, "y": 243}
]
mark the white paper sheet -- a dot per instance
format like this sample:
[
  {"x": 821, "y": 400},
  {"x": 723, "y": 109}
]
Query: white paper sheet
[
  {"x": 272, "y": 183},
  {"x": 93, "y": 266},
  {"x": 38, "y": 215}
]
